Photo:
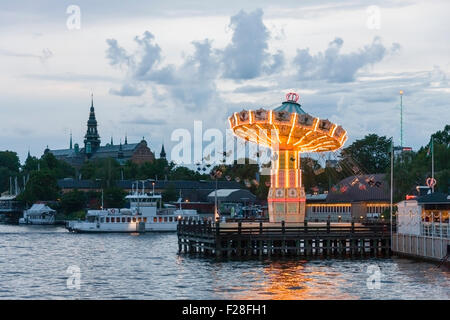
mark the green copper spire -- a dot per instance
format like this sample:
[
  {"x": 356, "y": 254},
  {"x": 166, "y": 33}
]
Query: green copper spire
[{"x": 92, "y": 135}]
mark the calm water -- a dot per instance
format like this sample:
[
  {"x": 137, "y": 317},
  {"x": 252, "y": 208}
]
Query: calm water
[{"x": 34, "y": 262}]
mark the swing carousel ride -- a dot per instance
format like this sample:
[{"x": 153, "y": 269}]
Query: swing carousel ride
[{"x": 288, "y": 131}]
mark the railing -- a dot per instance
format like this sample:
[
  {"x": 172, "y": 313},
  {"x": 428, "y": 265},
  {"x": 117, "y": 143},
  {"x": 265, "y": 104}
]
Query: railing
[
  {"x": 237, "y": 229},
  {"x": 436, "y": 230}
]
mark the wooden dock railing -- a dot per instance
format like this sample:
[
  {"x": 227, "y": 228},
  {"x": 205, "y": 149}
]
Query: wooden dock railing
[{"x": 281, "y": 238}]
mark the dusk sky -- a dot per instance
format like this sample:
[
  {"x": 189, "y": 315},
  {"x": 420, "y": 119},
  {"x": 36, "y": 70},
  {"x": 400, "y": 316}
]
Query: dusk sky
[{"x": 155, "y": 66}]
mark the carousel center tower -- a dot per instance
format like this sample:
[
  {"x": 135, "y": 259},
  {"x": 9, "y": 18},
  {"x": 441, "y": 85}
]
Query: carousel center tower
[{"x": 288, "y": 131}]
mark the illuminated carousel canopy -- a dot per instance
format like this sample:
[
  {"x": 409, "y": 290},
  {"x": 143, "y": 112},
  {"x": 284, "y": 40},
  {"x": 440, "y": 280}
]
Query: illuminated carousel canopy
[{"x": 288, "y": 127}]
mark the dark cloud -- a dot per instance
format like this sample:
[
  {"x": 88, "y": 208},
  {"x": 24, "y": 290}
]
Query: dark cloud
[
  {"x": 334, "y": 66},
  {"x": 247, "y": 56}
]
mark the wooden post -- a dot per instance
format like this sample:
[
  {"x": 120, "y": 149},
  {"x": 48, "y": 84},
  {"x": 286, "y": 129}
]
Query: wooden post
[{"x": 218, "y": 240}]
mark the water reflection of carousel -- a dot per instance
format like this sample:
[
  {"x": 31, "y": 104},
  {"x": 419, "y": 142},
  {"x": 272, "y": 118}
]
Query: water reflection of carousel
[{"x": 287, "y": 131}]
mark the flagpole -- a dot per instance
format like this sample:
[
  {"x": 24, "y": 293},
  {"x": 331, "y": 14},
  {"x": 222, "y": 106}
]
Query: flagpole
[{"x": 432, "y": 164}]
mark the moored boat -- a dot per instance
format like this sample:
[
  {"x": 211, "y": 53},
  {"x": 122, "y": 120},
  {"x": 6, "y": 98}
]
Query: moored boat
[
  {"x": 144, "y": 215},
  {"x": 38, "y": 214}
]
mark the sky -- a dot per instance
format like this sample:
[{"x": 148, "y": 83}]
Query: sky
[{"x": 157, "y": 66}]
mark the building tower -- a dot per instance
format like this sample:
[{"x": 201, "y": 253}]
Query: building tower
[
  {"x": 92, "y": 138},
  {"x": 162, "y": 154}
]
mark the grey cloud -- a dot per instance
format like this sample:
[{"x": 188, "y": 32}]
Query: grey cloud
[
  {"x": 140, "y": 120},
  {"x": 334, "y": 66},
  {"x": 247, "y": 56},
  {"x": 127, "y": 90},
  {"x": 116, "y": 54},
  {"x": 251, "y": 89},
  {"x": 192, "y": 83}
]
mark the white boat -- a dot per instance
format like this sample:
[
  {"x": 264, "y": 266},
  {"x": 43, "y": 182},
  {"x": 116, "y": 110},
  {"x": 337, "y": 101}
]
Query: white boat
[
  {"x": 39, "y": 214},
  {"x": 142, "y": 216}
]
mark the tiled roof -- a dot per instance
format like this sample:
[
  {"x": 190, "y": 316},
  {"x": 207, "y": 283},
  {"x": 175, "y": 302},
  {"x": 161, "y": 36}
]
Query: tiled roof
[
  {"x": 436, "y": 197},
  {"x": 352, "y": 190},
  {"x": 160, "y": 184}
]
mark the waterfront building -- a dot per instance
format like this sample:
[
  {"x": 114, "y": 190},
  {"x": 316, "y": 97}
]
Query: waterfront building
[
  {"x": 75, "y": 155},
  {"x": 363, "y": 197},
  {"x": 423, "y": 227}
]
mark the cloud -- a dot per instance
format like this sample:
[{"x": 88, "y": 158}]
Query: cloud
[
  {"x": 192, "y": 83},
  {"x": 247, "y": 57},
  {"x": 116, "y": 55},
  {"x": 251, "y": 89},
  {"x": 45, "y": 55},
  {"x": 334, "y": 66},
  {"x": 127, "y": 90},
  {"x": 142, "y": 120}
]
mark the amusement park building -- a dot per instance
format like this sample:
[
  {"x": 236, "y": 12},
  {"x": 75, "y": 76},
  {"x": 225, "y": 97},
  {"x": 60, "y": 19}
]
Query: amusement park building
[{"x": 362, "y": 197}]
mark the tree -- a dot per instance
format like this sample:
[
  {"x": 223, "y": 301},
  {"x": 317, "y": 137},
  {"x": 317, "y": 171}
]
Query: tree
[
  {"x": 58, "y": 168},
  {"x": 107, "y": 170},
  {"x": 9, "y": 167},
  {"x": 169, "y": 193},
  {"x": 183, "y": 173},
  {"x": 73, "y": 201},
  {"x": 370, "y": 154},
  {"x": 114, "y": 197},
  {"x": 42, "y": 186}
]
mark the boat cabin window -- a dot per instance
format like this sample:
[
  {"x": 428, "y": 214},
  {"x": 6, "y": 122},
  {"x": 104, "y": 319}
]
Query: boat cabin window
[
  {"x": 170, "y": 219},
  {"x": 123, "y": 219},
  {"x": 165, "y": 219},
  {"x": 107, "y": 219},
  {"x": 160, "y": 219},
  {"x": 128, "y": 219},
  {"x": 113, "y": 220},
  {"x": 134, "y": 219},
  {"x": 145, "y": 219},
  {"x": 102, "y": 220},
  {"x": 155, "y": 219}
]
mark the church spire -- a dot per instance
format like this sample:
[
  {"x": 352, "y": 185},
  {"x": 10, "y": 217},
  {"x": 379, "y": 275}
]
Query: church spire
[
  {"x": 112, "y": 143},
  {"x": 126, "y": 140},
  {"x": 70, "y": 147},
  {"x": 92, "y": 137},
  {"x": 162, "y": 154}
]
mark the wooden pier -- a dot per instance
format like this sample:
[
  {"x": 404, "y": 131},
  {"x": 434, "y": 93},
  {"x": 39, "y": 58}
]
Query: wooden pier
[{"x": 265, "y": 239}]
